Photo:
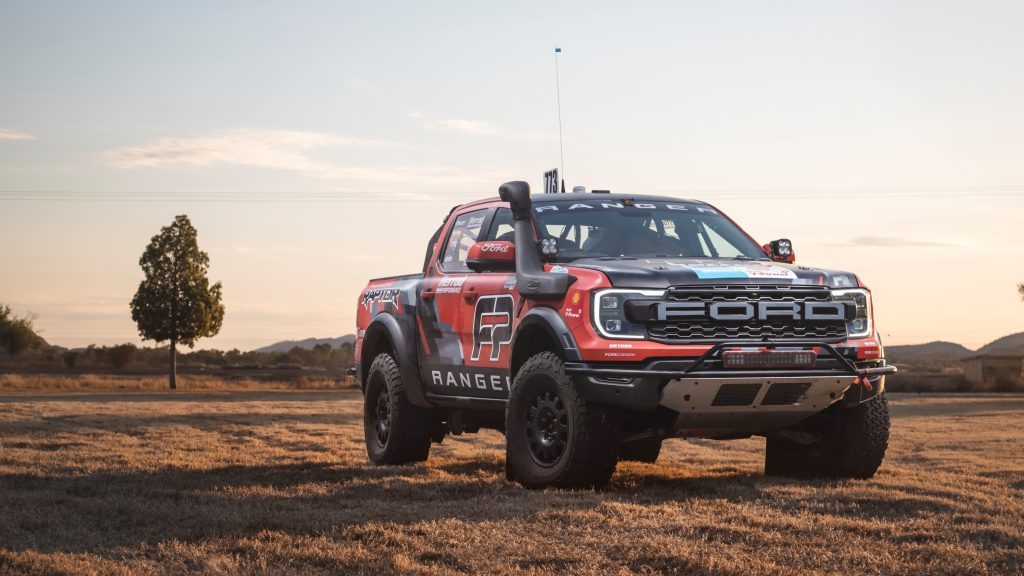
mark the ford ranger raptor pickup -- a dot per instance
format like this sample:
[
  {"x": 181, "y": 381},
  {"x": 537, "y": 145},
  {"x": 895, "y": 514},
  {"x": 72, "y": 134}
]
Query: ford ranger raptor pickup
[{"x": 590, "y": 327}]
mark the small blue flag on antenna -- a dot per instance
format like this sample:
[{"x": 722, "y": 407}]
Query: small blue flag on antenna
[{"x": 558, "y": 50}]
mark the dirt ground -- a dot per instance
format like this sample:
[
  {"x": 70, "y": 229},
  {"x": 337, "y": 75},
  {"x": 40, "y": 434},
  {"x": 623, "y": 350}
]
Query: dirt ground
[{"x": 277, "y": 483}]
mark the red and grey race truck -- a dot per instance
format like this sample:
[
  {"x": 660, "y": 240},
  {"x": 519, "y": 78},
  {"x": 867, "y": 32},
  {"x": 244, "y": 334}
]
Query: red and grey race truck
[{"x": 590, "y": 327}]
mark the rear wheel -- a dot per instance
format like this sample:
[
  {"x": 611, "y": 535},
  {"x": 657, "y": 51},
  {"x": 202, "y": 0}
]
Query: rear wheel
[
  {"x": 553, "y": 437},
  {"x": 396, "y": 431},
  {"x": 852, "y": 444},
  {"x": 642, "y": 450}
]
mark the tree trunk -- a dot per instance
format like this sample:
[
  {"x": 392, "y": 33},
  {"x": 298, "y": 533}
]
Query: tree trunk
[{"x": 173, "y": 371}]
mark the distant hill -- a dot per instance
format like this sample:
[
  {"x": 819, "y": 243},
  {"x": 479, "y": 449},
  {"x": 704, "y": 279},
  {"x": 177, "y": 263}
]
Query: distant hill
[
  {"x": 308, "y": 343},
  {"x": 932, "y": 353},
  {"x": 1012, "y": 344},
  {"x": 942, "y": 356}
]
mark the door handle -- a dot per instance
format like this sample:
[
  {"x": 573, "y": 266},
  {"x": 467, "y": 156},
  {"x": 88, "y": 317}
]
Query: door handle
[
  {"x": 470, "y": 294},
  {"x": 426, "y": 294}
]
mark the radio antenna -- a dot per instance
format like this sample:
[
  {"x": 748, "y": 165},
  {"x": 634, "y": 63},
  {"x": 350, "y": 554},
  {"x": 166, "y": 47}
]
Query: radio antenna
[{"x": 558, "y": 95}]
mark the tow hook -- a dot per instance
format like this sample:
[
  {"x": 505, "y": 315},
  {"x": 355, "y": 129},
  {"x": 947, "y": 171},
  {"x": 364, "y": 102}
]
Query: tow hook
[{"x": 863, "y": 381}]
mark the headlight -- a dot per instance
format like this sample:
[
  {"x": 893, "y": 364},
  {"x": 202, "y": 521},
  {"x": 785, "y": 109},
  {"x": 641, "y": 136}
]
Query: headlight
[
  {"x": 608, "y": 312},
  {"x": 860, "y": 326}
]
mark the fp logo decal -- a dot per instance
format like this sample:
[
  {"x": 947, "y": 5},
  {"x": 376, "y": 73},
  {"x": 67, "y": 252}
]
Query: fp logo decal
[{"x": 492, "y": 324}]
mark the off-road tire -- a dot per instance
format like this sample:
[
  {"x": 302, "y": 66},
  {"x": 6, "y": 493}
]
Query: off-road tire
[
  {"x": 590, "y": 434},
  {"x": 409, "y": 427},
  {"x": 853, "y": 444},
  {"x": 642, "y": 450}
]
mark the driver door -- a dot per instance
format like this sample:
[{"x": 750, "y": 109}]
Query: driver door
[
  {"x": 488, "y": 319},
  {"x": 441, "y": 308}
]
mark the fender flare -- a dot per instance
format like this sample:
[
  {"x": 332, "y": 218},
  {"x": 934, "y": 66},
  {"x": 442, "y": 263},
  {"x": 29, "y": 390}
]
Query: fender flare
[
  {"x": 400, "y": 333},
  {"x": 554, "y": 325}
]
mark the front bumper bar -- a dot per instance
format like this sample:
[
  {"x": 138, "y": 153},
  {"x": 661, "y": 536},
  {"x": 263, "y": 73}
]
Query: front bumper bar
[
  {"x": 698, "y": 368},
  {"x": 641, "y": 388}
]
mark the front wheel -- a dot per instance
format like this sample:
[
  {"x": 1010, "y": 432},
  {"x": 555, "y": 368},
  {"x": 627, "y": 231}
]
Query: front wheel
[
  {"x": 553, "y": 437},
  {"x": 852, "y": 445}
]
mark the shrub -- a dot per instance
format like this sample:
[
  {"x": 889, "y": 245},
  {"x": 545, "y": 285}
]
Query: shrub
[{"x": 121, "y": 355}]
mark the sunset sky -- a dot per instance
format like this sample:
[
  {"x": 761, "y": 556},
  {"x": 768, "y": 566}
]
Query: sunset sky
[{"x": 318, "y": 144}]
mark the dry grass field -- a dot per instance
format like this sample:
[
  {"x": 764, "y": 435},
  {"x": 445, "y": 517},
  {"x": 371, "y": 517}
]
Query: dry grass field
[
  {"x": 115, "y": 382},
  {"x": 277, "y": 483}
]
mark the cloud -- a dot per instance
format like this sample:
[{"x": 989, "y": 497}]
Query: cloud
[
  {"x": 282, "y": 150},
  {"x": 896, "y": 242},
  {"x": 473, "y": 127},
  {"x": 8, "y": 134}
]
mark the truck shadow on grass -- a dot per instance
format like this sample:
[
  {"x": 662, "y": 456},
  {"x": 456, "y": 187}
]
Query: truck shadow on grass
[
  {"x": 211, "y": 395},
  {"x": 105, "y": 512},
  {"x": 136, "y": 424}
]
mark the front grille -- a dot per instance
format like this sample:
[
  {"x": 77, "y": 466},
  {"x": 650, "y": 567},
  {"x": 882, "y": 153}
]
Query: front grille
[
  {"x": 777, "y": 329},
  {"x": 710, "y": 331},
  {"x": 736, "y": 394},
  {"x": 730, "y": 292},
  {"x": 785, "y": 393}
]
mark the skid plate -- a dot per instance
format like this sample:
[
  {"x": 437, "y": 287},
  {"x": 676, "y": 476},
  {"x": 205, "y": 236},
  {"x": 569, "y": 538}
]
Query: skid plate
[{"x": 721, "y": 407}]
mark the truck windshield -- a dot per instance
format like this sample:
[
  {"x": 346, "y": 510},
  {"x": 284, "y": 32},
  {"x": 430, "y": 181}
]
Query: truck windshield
[{"x": 641, "y": 229}]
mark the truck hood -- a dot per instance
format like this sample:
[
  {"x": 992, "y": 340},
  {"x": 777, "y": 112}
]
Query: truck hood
[{"x": 665, "y": 272}]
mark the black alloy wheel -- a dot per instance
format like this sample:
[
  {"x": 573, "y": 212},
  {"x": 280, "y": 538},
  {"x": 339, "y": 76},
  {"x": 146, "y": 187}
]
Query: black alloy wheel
[
  {"x": 547, "y": 428},
  {"x": 382, "y": 417}
]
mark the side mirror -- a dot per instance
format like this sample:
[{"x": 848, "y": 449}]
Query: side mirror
[
  {"x": 780, "y": 250},
  {"x": 492, "y": 256}
]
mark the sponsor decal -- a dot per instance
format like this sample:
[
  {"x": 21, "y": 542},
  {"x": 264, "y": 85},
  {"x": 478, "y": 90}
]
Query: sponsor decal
[
  {"x": 450, "y": 284},
  {"x": 381, "y": 295},
  {"x": 614, "y": 345},
  {"x": 465, "y": 379},
  {"x": 725, "y": 270},
  {"x": 492, "y": 324},
  {"x": 620, "y": 354},
  {"x": 495, "y": 247},
  {"x": 559, "y": 270},
  {"x": 510, "y": 282},
  {"x": 574, "y": 310},
  {"x": 842, "y": 281},
  {"x": 679, "y": 207}
]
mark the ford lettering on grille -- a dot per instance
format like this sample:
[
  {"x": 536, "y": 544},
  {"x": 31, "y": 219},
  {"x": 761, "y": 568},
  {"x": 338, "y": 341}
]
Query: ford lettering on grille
[
  {"x": 741, "y": 310},
  {"x": 698, "y": 314}
]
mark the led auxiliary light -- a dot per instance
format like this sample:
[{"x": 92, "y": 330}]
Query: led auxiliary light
[
  {"x": 752, "y": 359},
  {"x": 783, "y": 247},
  {"x": 549, "y": 246}
]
